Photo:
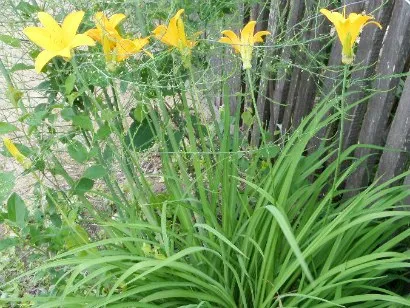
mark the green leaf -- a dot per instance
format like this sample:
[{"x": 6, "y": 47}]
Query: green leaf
[
  {"x": 7, "y": 128},
  {"x": 290, "y": 237},
  {"x": 27, "y": 8},
  {"x": 8, "y": 242},
  {"x": 139, "y": 113},
  {"x": 17, "y": 211},
  {"x": 140, "y": 136},
  {"x": 95, "y": 172},
  {"x": 69, "y": 84},
  {"x": 103, "y": 132},
  {"x": 67, "y": 114},
  {"x": 270, "y": 151},
  {"x": 7, "y": 181},
  {"x": 21, "y": 67},
  {"x": 83, "y": 121},
  {"x": 77, "y": 151},
  {"x": 11, "y": 41},
  {"x": 108, "y": 115},
  {"x": 83, "y": 185},
  {"x": 247, "y": 118}
]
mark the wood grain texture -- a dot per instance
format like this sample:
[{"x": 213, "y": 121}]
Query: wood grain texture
[
  {"x": 275, "y": 14},
  {"x": 396, "y": 49},
  {"x": 284, "y": 73},
  {"x": 371, "y": 41},
  {"x": 392, "y": 163}
]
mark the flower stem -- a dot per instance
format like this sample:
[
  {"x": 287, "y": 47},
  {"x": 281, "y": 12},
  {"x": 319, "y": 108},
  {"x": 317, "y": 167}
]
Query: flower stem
[
  {"x": 252, "y": 90},
  {"x": 341, "y": 129}
]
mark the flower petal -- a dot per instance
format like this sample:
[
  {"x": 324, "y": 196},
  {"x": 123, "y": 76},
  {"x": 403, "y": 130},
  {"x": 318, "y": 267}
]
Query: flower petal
[
  {"x": 124, "y": 49},
  {"x": 162, "y": 33},
  {"x": 257, "y": 38},
  {"x": 334, "y": 17},
  {"x": 50, "y": 24},
  {"x": 101, "y": 21},
  {"x": 247, "y": 33},
  {"x": 357, "y": 22},
  {"x": 81, "y": 40},
  {"x": 115, "y": 19},
  {"x": 227, "y": 40},
  {"x": 71, "y": 23},
  {"x": 95, "y": 34},
  {"x": 341, "y": 24},
  {"x": 43, "y": 58},
  {"x": 40, "y": 37},
  {"x": 175, "y": 30}
]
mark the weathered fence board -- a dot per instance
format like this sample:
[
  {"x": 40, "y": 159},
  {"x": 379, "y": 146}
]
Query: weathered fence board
[
  {"x": 282, "y": 84},
  {"x": 276, "y": 11},
  {"x": 395, "y": 52},
  {"x": 393, "y": 163},
  {"x": 366, "y": 58}
]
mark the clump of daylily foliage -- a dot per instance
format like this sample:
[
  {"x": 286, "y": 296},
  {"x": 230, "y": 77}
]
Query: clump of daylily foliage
[{"x": 223, "y": 223}]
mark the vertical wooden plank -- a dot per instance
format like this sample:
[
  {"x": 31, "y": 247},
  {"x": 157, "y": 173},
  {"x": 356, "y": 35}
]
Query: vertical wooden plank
[
  {"x": 407, "y": 183},
  {"x": 283, "y": 75},
  {"x": 305, "y": 97},
  {"x": 393, "y": 163},
  {"x": 232, "y": 68},
  {"x": 367, "y": 54},
  {"x": 291, "y": 99},
  {"x": 275, "y": 14},
  {"x": 395, "y": 52}
]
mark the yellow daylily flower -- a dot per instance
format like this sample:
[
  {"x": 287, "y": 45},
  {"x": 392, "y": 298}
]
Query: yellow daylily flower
[
  {"x": 115, "y": 48},
  {"x": 126, "y": 47},
  {"x": 174, "y": 36},
  {"x": 20, "y": 158},
  {"x": 57, "y": 40},
  {"x": 348, "y": 30},
  {"x": 106, "y": 32},
  {"x": 244, "y": 44},
  {"x": 106, "y": 28}
]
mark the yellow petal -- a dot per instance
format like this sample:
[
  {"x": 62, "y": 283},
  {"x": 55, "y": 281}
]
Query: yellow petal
[
  {"x": 172, "y": 36},
  {"x": 107, "y": 48},
  {"x": 50, "y": 24},
  {"x": 160, "y": 31},
  {"x": 141, "y": 42},
  {"x": 341, "y": 25},
  {"x": 95, "y": 34},
  {"x": 20, "y": 158},
  {"x": 125, "y": 48},
  {"x": 162, "y": 34},
  {"x": 334, "y": 17},
  {"x": 247, "y": 33},
  {"x": 257, "y": 38},
  {"x": 43, "y": 58},
  {"x": 39, "y": 36},
  {"x": 357, "y": 22},
  {"x": 101, "y": 21},
  {"x": 71, "y": 23},
  {"x": 116, "y": 19},
  {"x": 181, "y": 30},
  {"x": 232, "y": 36},
  {"x": 81, "y": 40},
  {"x": 227, "y": 40}
]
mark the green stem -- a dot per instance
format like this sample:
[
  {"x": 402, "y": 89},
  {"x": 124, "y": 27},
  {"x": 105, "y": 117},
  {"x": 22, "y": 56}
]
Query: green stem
[
  {"x": 252, "y": 90},
  {"x": 341, "y": 129}
]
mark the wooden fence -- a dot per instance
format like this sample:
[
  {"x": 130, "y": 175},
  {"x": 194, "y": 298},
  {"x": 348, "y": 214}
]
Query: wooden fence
[{"x": 307, "y": 73}]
